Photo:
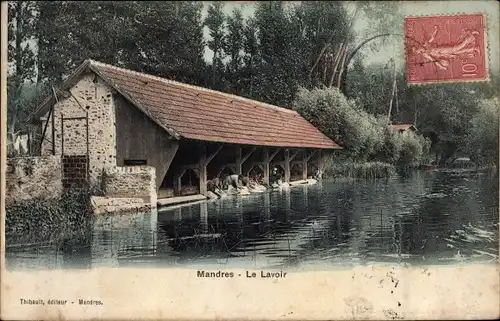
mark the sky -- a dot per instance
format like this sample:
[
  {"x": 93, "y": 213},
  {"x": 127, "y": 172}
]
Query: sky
[{"x": 394, "y": 48}]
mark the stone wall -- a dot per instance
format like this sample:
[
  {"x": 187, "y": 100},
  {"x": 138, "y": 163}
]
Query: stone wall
[
  {"x": 131, "y": 182},
  {"x": 33, "y": 178},
  {"x": 90, "y": 95},
  {"x": 106, "y": 205}
]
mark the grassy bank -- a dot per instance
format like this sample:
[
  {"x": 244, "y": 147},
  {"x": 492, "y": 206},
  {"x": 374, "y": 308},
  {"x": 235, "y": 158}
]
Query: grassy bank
[
  {"x": 66, "y": 220},
  {"x": 354, "y": 170}
]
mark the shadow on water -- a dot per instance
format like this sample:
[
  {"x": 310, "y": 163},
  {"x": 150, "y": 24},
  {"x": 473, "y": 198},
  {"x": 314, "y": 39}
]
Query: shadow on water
[{"x": 417, "y": 218}]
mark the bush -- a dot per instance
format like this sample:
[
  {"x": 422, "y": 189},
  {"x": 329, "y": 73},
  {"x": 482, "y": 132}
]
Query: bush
[
  {"x": 365, "y": 138},
  {"x": 414, "y": 150},
  {"x": 366, "y": 170},
  {"x": 482, "y": 141},
  {"x": 46, "y": 220}
]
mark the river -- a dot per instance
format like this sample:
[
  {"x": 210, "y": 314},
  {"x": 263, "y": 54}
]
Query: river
[{"x": 424, "y": 218}]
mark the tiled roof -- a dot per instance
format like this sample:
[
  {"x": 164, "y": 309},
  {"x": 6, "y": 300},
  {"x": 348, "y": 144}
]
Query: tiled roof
[
  {"x": 403, "y": 127},
  {"x": 202, "y": 114}
]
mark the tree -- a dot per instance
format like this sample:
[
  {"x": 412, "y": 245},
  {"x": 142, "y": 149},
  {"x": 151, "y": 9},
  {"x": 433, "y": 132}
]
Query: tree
[
  {"x": 482, "y": 140},
  {"x": 250, "y": 58},
  {"x": 276, "y": 79},
  {"x": 215, "y": 21},
  {"x": 169, "y": 36},
  {"x": 323, "y": 29},
  {"x": 21, "y": 25},
  {"x": 233, "y": 46}
]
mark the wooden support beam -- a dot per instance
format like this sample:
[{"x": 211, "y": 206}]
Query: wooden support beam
[
  {"x": 294, "y": 154},
  {"x": 203, "y": 180},
  {"x": 244, "y": 158},
  {"x": 177, "y": 181},
  {"x": 241, "y": 159},
  {"x": 232, "y": 166},
  {"x": 322, "y": 158},
  {"x": 274, "y": 154},
  {"x": 211, "y": 156},
  {"x": 191, "y": 166},
  {"x": 287, "y": 165},
  {"x": 304, "y": 165},
  {"x": 311, "y": 155},
  {"x": 238, "y": 160},
  {"x": 202, "y": 171},
  {"x": 265, "y": 164},
  {"x": 252, "y": 166},
  {"x": 282, "y": 164}
]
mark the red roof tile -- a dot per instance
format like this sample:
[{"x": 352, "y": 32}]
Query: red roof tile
[{"x": 403, "y": 127}]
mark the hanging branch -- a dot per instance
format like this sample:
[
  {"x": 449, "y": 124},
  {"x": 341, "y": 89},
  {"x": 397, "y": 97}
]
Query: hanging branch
[
  {"x": 325, "y": 63},
  {"x": 321, "y": 53},
  {"x": 393, "y": 93},
  {"x": 336, "y": 64},
  {"x": 396, "y": 90},
  {"x": 342, "y": 66}
]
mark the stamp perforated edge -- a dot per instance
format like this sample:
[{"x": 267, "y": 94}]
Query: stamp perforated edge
[{"x": 487, "y": 49}]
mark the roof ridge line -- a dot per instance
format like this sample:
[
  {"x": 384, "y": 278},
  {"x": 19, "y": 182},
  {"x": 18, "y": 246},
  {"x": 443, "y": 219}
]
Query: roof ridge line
[{"x": 174, "y": 82}]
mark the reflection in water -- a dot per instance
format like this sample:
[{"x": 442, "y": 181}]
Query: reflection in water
[{"x": 425, "y": 218}]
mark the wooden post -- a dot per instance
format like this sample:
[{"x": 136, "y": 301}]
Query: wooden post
[
  {"x": 266, "y": 166},
  {"x": 203, "y": 171},
  {"x": 177, "y": 182},
  {"x": 304, "y": 164},
  {"x": 245, "y": 157},
  {"x": 321, "y": 162},
  {"x": 238, "y": 160},
  {"x": 202, "y": 168},
  {"x": 287, "y": 165}
]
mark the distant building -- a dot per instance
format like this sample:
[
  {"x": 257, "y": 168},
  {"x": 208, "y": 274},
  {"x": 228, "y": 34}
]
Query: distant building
[{"x": 404, "y": 128}]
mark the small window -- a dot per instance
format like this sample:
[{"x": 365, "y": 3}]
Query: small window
[{"x": 135, "y": 162}]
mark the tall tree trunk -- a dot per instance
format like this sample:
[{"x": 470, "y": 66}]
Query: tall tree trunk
[
  {"x": 342, "y": 66},
  {"x": 251, "y": 76},
  {"x": 18, "y": 64},
  {"x": 321, "y": 53},
  {"x": 392, "y": 95},
  {"x": 214, "y": 66},
  {"x": 336, "y": 64}
]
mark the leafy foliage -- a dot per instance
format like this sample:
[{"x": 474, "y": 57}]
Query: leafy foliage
[
  {"x": 364, "y": 136},
  {"x": 36, "y": 219},
  {"x": 482, "y": 140}
]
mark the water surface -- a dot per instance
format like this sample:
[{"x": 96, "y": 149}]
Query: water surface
[{"x": 426, "y": 218}]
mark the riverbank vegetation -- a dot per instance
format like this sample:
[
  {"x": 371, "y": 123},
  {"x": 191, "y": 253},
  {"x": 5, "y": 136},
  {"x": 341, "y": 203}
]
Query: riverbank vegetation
[
  {"x": 482, "y": 140},
  {"x": 66, "y": 220},
  {"x": 371, "y": 148}
]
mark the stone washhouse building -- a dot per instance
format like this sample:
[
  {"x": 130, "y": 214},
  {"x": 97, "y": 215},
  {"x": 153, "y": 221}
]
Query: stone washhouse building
[{"x": 139, "y": 136}]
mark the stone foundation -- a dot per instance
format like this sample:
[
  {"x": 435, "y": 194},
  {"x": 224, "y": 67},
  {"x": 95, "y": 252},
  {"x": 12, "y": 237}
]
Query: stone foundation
[
  {"x": 131, "y": 182},
  {"x": 105, "y": 205},
  {"x": 33, "y": 178}
]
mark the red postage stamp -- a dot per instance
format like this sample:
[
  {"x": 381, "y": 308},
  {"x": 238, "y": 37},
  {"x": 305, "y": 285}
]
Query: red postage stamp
[{"x": 446, "y": 48}]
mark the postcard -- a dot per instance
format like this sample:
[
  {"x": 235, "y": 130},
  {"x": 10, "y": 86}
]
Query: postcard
[{"x": 239, "y": 160}]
